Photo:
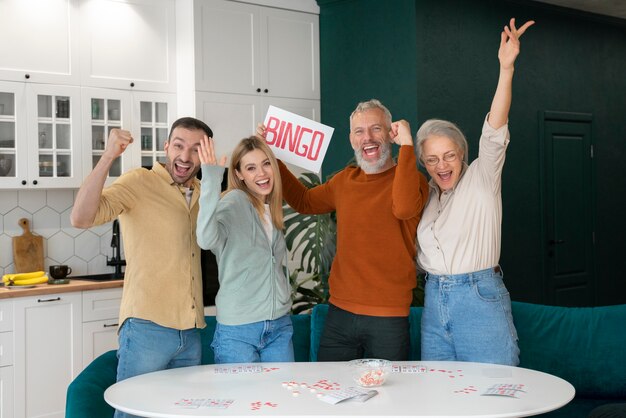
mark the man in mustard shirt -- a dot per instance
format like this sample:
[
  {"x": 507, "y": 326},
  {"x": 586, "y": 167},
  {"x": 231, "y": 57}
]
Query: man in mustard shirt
[{"x": 162, "y": 308}]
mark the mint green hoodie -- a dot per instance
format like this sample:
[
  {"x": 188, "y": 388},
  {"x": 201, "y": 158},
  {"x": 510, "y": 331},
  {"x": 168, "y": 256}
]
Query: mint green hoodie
[{"x": 253, "y": 285}]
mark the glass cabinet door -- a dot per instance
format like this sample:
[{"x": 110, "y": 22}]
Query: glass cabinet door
[
  {"x": 54, "y": 127},
  {"x": 154, "y": 124},
  {"x": 13, "y": 135},
  {"x": 103, "y": 111},
  {"x": 8, "y": 135},
  {"x": 54, "y": 136},
  {"x": 106, "y": 114}
]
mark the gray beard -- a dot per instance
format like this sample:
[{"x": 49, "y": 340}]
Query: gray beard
[{"x": 376, "y": 166}]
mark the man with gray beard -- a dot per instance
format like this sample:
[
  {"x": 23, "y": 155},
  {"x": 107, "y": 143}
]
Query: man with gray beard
[{"x": 378, "y": 204}]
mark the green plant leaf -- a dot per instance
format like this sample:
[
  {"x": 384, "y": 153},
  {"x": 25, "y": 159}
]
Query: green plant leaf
[{"x": 313, "y": 238}]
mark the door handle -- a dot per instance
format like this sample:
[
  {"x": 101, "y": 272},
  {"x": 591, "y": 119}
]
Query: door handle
[{"x": 555, "y": 242}]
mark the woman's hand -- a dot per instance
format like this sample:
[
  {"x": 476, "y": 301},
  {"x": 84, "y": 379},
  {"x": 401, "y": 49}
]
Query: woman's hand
[
  {"x": 509, "y": 43},
  {"x": 260, "y": 131},
  {"x": 207, "y": 152}
]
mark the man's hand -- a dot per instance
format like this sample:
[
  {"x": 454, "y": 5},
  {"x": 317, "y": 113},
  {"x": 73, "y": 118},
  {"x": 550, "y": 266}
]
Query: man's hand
[
  {"x": 119, "y": 140},
  {"x": 207, "y": 152},
  {"x": 401, "y": 133}
]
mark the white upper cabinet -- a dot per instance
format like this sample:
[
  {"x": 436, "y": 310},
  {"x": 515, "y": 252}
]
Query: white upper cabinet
[
  {"x": 39, "y": 41},
  {"x": 39, "y": 136},
  {"x": 219, "y": 110},
  {"x": 129, "y": 44},
  {"x": 256, "y": 50},
  {"x": 147, "y": 115}
]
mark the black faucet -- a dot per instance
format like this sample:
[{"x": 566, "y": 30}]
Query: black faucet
[{"x": 116, "y": 260}]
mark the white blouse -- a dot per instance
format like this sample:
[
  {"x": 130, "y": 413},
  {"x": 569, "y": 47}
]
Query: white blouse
[{"x": 460, "y": 230}]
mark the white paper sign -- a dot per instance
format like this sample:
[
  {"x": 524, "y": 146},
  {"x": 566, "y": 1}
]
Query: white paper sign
[{"x": 297, "y": 140}]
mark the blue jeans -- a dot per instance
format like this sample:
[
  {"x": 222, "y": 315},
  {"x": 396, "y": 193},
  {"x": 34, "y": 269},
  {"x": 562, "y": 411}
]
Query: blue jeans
[
  {"x": 349, "y": 336},
  {"x": 467, "y": 317},
  {"x": 263, "y": 341},
  {"x": 147, "y": 347}
]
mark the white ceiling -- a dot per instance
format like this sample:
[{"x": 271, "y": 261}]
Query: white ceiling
[{"x": 614, "y": 8}]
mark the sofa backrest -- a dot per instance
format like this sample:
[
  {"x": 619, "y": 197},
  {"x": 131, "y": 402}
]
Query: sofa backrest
[
  {"x": 585, "y": 346},
  {"x": 318, "y": 319}
]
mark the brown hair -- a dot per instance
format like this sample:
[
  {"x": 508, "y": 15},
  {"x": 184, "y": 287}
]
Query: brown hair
[{"x": 275, "y": 197}]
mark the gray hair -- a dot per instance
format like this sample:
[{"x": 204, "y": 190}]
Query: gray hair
[
  {"x": 440, "y": 127},
  {"x": 371, "y": 104}
]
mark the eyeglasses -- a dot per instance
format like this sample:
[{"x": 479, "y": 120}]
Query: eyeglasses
[{"x": 447, "y": 157}]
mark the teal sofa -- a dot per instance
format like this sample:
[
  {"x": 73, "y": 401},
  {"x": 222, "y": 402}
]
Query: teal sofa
[{"x": 584, "y": 346}]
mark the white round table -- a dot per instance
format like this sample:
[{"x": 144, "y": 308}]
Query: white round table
[{"x": 424, "y": 389}]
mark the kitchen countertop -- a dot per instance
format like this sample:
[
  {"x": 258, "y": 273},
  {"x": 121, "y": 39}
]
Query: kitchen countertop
[{"x": 75, "y": 285}]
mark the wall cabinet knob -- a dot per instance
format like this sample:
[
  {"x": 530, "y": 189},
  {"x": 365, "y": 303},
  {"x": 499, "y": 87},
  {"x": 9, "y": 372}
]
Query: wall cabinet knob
[
  {"x": 258, "y": 90},
  {"x": 266, "y": 91},
  {"x": 23, "y": 182},
  {"x": 35, "y": 182},
  {"x": 26, "y": 76},
  {"x": 132, "y": 84}
]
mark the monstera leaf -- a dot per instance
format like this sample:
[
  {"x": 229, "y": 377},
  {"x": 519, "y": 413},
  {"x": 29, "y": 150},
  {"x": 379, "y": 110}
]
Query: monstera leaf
[{"x": 312, "y": 238}]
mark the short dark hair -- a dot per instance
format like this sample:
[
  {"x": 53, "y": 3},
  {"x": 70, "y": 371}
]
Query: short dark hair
[{"x": 191, "y": 124}]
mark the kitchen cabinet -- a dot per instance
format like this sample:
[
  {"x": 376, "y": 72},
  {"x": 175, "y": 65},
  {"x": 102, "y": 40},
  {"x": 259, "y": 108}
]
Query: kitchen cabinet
[
  {"x": 39, "y": 136},
  {"x": 6, "y": 359},
  {"x": 153, "y": 114},
  {"x": 6, "y": 392},
  {"x": 146, "y": 115},
  {"x": 248, "y": 57},
  {"x": 220, "y": 110},
  {"x": 49, "y": 32},
  {"x": 100, "y": 322},
  {"x": 129, "y": 44},
  {"x": 256, "y": 50},
  {"x": 48, "y": 352}
]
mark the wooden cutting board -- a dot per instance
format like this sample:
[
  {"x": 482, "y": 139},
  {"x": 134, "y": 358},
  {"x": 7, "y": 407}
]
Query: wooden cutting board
[{"x": 27, "y": 250}]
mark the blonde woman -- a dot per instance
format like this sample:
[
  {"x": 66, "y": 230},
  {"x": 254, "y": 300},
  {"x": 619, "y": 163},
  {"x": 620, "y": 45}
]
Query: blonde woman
[{"x": 244, "y": 231}]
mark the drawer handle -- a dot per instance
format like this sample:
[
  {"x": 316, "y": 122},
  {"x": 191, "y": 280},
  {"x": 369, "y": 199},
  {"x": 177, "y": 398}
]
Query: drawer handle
[
  {"x": 109, "y": 326},
  {"x": 48, "y": 300}
]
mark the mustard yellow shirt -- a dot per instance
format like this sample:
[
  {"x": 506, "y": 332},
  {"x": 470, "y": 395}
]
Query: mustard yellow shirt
[{"x": 162, "y": 280}]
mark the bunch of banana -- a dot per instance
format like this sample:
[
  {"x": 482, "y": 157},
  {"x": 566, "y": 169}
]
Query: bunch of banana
[{"x": 23, "y": 279}]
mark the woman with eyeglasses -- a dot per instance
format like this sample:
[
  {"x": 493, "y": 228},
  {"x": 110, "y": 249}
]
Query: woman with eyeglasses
[{"x": 467, "y": 308}]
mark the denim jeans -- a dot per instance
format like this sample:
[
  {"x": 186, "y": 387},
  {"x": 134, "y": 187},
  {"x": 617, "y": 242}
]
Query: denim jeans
[
  {"x": 467, "y": 317},
  {"x": 263, "y": 341},
  {"x": 147, "y": 347},
  {"x": 349, "y": 336}
]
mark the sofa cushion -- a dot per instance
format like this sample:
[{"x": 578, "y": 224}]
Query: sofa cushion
[
  {"x": 318, "y": 319},
  {"x": 85, "y": 394},
  {"x": 584, "y": 346}
]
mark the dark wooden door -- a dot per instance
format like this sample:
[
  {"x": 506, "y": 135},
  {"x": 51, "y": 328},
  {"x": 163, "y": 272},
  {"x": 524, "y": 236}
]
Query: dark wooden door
[{"x": 568, "y": 209}]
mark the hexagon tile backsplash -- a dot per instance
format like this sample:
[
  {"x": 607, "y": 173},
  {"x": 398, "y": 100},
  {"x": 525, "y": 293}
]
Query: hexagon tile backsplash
[{"x": 84, "y": 250}]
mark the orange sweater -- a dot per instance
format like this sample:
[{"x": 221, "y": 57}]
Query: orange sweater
[{"x": 373, "y": 272}]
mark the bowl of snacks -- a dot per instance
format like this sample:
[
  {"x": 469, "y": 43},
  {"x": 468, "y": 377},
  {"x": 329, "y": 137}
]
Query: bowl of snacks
[{"x": 370, "y": 372}]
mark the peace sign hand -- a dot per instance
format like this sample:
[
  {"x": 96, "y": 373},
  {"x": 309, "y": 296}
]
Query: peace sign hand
[{"x": 509, "y": 43}]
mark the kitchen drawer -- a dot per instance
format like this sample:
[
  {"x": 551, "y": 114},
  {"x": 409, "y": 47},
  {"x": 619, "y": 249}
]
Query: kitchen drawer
[
  {"x": 6, "y": 349},
  {"x": 101, "y": 304},
  {"x": 98, "y": 338},
  {"x": 6, "y": 315}
]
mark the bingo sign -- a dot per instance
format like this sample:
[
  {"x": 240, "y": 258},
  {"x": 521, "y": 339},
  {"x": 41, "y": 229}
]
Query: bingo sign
[{"x": 297, "y": 140}]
